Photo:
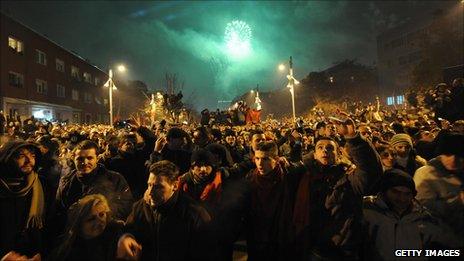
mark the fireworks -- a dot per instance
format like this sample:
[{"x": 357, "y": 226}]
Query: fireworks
[{"x": 237, "y": 39}]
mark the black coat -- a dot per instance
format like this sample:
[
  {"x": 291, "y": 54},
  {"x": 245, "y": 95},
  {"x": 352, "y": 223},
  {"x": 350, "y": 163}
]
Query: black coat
[
  {"x": 14, "y": 211},
  {"x": 335, "y": 202},
  {"x": 101, "y": 248},
  {"x": 13, "y": 235},
  {"x": 173, "y": 231},
  {"x": 179, "y": 157},
  {"x": 101, "y": 181},
  {"x": 132, "y": 167}
]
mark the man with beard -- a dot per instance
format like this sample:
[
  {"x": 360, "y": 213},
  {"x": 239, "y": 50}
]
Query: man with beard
[
  {"x": 166, "y": 224},
  {"x": 406, "y": 158},
  {"x": 130, "y": 161},
  {"x": 89, "y": 177},
  {"x": 22, "y": 200}
]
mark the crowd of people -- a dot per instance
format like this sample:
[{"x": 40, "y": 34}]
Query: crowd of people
[{"x": 336, "y": 185}]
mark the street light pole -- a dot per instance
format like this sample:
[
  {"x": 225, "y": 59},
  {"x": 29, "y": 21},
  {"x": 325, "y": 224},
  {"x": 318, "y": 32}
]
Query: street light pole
[
  {"x": 291, "y": 85},
  {"x": 110, "y": 91}
]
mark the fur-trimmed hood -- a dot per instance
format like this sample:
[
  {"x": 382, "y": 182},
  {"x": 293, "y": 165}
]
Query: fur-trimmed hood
[{"x": 9, "y": 149}]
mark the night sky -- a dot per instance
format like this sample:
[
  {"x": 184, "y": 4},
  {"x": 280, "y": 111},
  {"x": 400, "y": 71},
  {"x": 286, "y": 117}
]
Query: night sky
[{"x": 187, "y": 38}]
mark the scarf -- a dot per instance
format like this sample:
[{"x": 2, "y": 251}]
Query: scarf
[
  {"x": 212, "y": 190},
  {"x": 301, "y": 211},
  {"x": 36, "y": 210}
]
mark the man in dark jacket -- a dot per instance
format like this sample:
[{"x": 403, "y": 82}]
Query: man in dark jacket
[
  {"x": 272, "y": 187},
  {"x": 130, "y": 161},
  {"x": 172, "y": 148},
  {"x": 166, "y": 224},
  {"x": 93, "y": 178},
  {"x": 236, "y": 151},
  {"x": 22, "y": 200},
  {"x": 328, "y": 206},
  {"x": 222, "y": 192}
]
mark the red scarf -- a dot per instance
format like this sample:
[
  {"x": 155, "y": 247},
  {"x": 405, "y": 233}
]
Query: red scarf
[
  {"x": 301, "y": 211},
  {"x": 212, "y": 191}
]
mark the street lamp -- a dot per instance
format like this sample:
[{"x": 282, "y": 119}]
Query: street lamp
[
  {"x": 281, "y": 67},
  {"x": 111, "y": 87},
  {"x": 121, "y": 68},
  {"x": 291, "y": 85}
]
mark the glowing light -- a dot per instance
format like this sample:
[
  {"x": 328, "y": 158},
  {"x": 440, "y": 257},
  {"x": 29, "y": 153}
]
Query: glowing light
[
  {"x": 281, "y": 67},
  {"x": 39, "y": 114},
  {"x": 238, "y": 38},
  {"x": 121, "y": 68}
]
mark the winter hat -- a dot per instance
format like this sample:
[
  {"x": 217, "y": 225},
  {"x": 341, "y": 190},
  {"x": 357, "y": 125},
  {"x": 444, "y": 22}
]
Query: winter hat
[
  {"x": 401, "y": 138},
  {"x": 202, "y": 157},
  {"x": 395, "y": 178},
  {"x": 450, "y": 143}
]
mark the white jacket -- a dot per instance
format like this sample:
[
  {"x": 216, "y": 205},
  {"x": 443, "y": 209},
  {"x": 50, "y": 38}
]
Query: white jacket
[
  {"x": 387, "y": 232},
  {"x": 438, "y": 190}
]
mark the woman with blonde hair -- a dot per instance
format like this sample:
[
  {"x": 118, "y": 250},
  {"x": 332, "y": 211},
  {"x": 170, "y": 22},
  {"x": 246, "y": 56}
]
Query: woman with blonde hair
[{"x": 91, "y": 232}]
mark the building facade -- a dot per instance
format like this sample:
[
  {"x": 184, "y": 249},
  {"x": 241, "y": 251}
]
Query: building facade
[
  {"x": 401, "y": 49},
  {"x": 42, "y": 79}
]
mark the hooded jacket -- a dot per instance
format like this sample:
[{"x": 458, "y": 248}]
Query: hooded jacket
[
  {"x": 17, "y": 233},
  {"x": 438, "y": 189},
  {"x": 386, "y": 231}
]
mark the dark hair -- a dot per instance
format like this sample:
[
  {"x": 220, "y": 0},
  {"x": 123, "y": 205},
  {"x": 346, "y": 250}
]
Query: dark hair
[
  {"x": 320, "y": 124},
  {"x": 165, "y": 168},
  {"x": 86, "y": 145},
  {"x": 216, "y": 134},
  {"x": 268, "y": 146},
  {"x": 385, "y": 148},
  {"x": 176, "y": 133},
  {"x": 255, "y": 132},
  {"x": 230, "y": 132},
  {"x": 203, "y": 132},
  {"x": 325, "y": 138}
]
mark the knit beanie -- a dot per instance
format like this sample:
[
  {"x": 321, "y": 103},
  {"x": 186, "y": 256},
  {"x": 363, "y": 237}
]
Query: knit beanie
[
  {"x": 401, "y": 138},
  {"x": 397, "y": 178}
]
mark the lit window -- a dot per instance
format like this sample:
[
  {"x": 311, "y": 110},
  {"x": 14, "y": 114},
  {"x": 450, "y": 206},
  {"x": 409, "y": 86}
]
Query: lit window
[
  {"x": 60, "y": 91},
  {"x": 97, "y": 81},
  {"x": 41, "y": 86},
  {"x": 331, "y": 79},
  {"x": 75, "y": 72},
  {"x": 87, "y": 97},
  {"x": 87, "y": 77},
  {"x": 40, "y": 57},
  {"x": 15, "y": 79},
  {"x": 399, "y": 99},
  {"x": 75, "y": 95},
  {"x": 59, "y": 65},
  {"x": 390, "y": 100},
  {"x": 16, "y": 45}
]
